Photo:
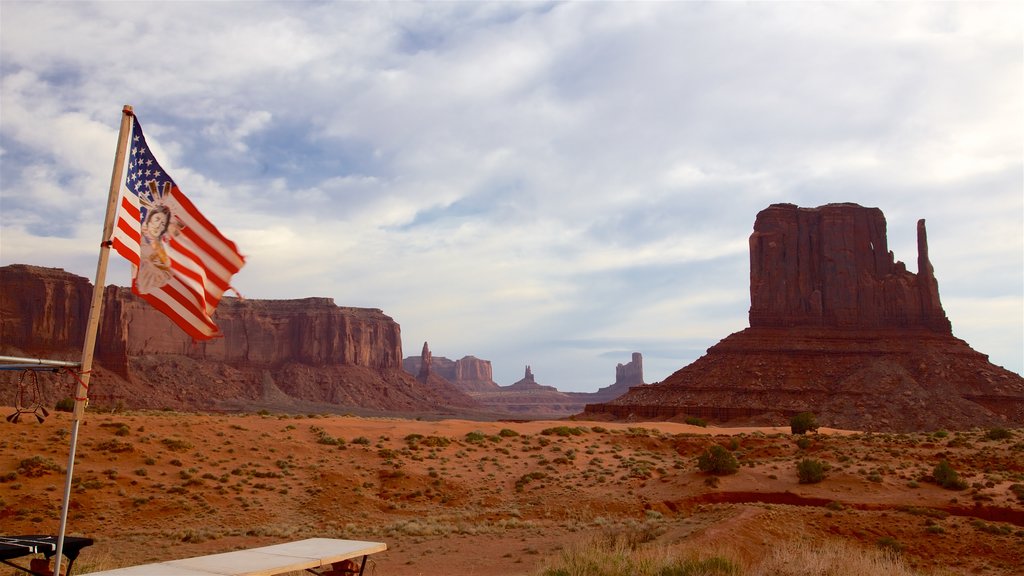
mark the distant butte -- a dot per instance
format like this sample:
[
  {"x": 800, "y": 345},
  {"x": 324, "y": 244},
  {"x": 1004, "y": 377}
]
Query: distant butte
[{"x": 840, "y": 328}]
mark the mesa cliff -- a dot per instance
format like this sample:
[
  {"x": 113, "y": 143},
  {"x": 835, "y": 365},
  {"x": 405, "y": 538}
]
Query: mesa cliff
[
  {"x": 838, "y": 327},
  {"x": 272, "y": 353}
]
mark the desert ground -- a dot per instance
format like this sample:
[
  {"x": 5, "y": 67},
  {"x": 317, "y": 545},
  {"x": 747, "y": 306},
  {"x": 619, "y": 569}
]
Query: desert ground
[{"x": 457, "y": 497}]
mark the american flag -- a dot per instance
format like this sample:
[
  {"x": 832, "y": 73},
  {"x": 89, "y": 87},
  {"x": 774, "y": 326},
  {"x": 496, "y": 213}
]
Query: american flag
[{"x": 181, "y": 263}]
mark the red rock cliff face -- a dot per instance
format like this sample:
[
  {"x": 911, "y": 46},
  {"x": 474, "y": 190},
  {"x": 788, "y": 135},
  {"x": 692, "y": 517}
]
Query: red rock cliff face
[
  {"x": 42, "y": 309},
  {"x": 469, "y": 374},
  {"x": 830, "y": 266},
  {"x": 838, "y": 328},
  {"x": 273, "y": 353},
  {"x": 474, "y": 374},
  {"x": 256, "y": 333}
]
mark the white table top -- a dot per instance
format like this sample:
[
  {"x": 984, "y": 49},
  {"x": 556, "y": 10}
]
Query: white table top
[{"x": 264, "y": 561}]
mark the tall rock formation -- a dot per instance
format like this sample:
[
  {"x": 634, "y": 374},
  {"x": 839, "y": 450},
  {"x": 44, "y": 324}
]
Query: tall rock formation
[
  {"x": 307, "y": 350},
  {"x": 840, "y": 328},
  {"x": 425, "y": 362},
  {"x": 468, "y": 374},
  {"x": 472, "y": 374},
  {"x": 630, "y": 373},
  {"x": 627, "y": 376},
  {"x": 830, "y": 266}
]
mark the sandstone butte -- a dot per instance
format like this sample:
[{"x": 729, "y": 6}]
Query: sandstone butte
[{"x": 840, "y": 329}]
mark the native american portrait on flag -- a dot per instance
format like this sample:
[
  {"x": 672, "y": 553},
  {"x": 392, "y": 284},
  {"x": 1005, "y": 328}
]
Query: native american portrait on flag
[{"x": 181, "y": 263}]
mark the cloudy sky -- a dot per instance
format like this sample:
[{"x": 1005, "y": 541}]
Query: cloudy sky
[{"x": 552, "y": 184}]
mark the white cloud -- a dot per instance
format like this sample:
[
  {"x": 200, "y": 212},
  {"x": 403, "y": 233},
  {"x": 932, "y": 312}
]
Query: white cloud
[{"x": 544, "y": 184}]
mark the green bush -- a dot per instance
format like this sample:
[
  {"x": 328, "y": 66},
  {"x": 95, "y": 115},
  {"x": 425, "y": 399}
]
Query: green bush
[
  {"x": 947, "y": 477},
  {"x": 810, "y": 471},
  {"x": 695, "y": 421},
  {"x": 803, "y": 423},
  {"x": 1018, "y": 490},
  {"x": 37, "y": 466},
  {"x": 563, "y": 431},
  {"x": 889, "y": 543},
  {"x": 998, "y": 434},
  {"x": 65, "y": 405},
  {"x": 176, "y": 445},
  {"x": 527, "y": 478},
  {"x": 718, "y": 461}
]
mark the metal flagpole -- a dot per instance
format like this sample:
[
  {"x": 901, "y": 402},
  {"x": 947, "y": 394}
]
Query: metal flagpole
[{"x": 82, "y": 392}]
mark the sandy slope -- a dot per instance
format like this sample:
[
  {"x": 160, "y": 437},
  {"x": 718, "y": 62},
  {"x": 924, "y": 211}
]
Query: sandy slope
[{"x": 501, "y": 498}]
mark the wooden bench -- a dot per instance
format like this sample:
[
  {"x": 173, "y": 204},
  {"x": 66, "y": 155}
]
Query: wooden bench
[{"x": 311, "y": 554}]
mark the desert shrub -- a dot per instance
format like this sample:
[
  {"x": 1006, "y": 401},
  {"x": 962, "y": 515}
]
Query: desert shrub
[
  {"x": 803, "y": 442},
  {"x": 803, "y": 423},
  {"x": 929, "y": 512},
  {"x": 563, "y": 431},
  {"x": 115, "y": 445},
  {"x": 617, "y": 552},
  {"x": 998, "y": 434},
  {"x": 65, "y": 405},
  {"x": 713, "y": 566},
  {"x": 435, "y": 441},
  {"x": 804, "y": 558},
  {"x": 361, "y": 440},
  {"x": 120, "y": 428},
  {"x": 945, "y": 476},
  {"x": 718, "y": 461},
  {"x": 695, "y": 421},
  {"x": 810, "y": 471},
  {"x": 508, "y": 433},
  {"x": 889, "y": 543},
  {"x": 527, "y": 478},
  {"x": 1018, "y": 490},
  {"x": 324, "y": 438},
  {"x": 475, "y": 437},
  {"x": 176, "y": 445},
  {"x": 37, "y": 466}
]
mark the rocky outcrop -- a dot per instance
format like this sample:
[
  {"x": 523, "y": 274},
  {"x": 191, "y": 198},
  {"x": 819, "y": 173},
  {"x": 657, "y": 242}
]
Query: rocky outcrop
[
  {"x": 630, "y": 373},
  {"x": 42, "y": 309},
  {"x": 425, "y": 361},
  {"x": 626, "y": 376},
  {"x": 309, "y": 349},
  {"x": 472, "y": 374},
  {"x": 468, "y": 374},
  {"x": 830, "y": 266},
  {"x": 838, "y": 328}
]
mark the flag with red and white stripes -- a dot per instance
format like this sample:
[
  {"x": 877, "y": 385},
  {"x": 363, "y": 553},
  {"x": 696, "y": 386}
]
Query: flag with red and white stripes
[{"x": 181, "y": 263}]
